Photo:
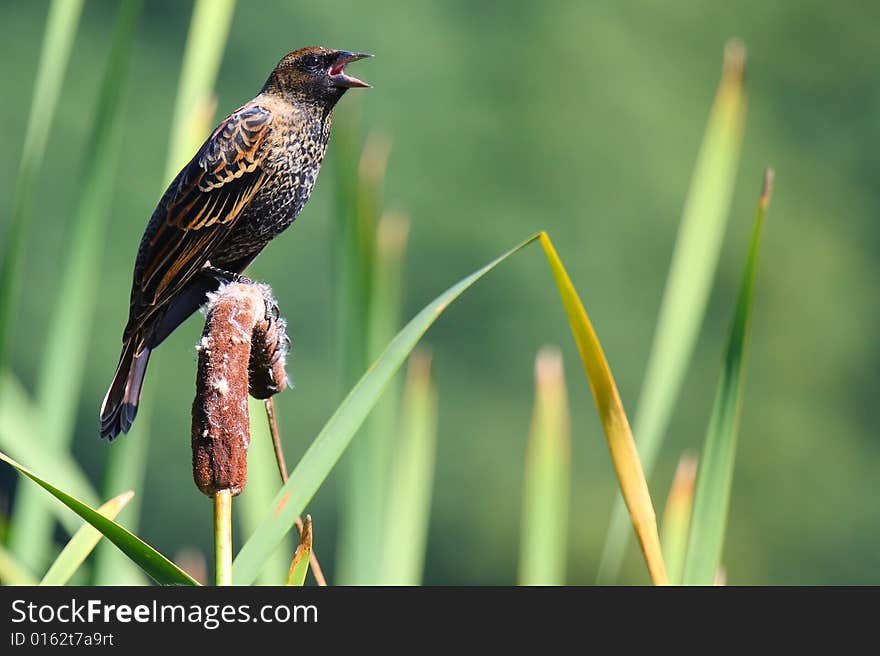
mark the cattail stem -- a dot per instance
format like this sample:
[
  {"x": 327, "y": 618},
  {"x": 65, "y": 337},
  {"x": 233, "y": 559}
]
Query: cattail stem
[{"x": 223, "y": 537}]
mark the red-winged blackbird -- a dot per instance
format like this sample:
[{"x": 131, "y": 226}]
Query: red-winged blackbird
[{"x": 244, "y": 186}]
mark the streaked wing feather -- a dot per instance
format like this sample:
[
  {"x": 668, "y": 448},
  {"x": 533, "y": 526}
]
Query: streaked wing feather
[{"x": 200, "y": 208}]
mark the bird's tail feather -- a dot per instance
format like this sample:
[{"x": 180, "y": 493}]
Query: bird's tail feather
[{"x": 121, "y": 402}]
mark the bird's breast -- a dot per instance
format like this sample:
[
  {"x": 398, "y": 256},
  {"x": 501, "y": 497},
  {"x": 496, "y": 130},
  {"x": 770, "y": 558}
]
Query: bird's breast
[{"x": 292, "y": 166}]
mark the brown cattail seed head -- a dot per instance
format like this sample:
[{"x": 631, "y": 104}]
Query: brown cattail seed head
[
  {"x": 269, "y": 348},
  {"x": 242, "y": 348}
]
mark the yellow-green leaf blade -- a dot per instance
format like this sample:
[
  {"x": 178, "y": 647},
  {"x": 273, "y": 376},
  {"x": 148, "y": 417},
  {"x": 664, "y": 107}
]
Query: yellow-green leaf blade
[
  {"x": 548, "y": 477},
  {"x": 296, "y": 576},
  {"x": 624, "y": 456},
  {"x": 715, "y": 475},
  {"x": 162, "y": 570},
  {"x": 82, "y": 543},
  {"x": 685, "y": 298},
  {"x": 333, "y": 439}
]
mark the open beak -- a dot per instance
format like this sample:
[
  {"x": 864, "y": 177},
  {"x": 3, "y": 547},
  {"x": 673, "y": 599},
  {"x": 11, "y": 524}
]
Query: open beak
[{"x": 337, "y": 72}]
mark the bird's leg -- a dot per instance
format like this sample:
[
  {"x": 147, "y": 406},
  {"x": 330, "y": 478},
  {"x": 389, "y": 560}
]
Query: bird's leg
[{"x": 225, "y": 277}]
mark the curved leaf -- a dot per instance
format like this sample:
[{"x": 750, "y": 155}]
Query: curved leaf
[
  {"x": 336, "y": 435},
  {"x": 157, "y": 566},
  {"x": 618, "y": 435},
  {"x": 333, "y": 439},
  {"x": 82, "y": 543}
]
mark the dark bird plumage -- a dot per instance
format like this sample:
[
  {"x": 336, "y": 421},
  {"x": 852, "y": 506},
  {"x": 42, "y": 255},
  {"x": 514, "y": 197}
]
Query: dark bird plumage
[{"x": 245, "y": 185}]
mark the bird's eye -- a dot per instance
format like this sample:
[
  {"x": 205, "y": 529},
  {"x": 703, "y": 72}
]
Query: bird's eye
[{"x": 311, "y": 61}]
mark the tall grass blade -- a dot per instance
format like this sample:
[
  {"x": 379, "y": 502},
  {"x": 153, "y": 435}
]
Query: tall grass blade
[
  {"x": 370, "y": 454},
  {"x": 61, "y": 27},
  {"x": 62, "y": 370},
  {"x": 623, "y": 451},
  {"x": 300, "y": 566},
  {"x": 689, "y": 282},
  {"x": 82, "y": 544},
  {"x": 205, "y": 43},
  {"x": 359, "y": 538},
  {"x": 353, "y": 250},
  {"x": 383, "y": 322},
  {"x": 13, "y": 572},
  {"x": 336, "y": 435},
  {"x": 547, "y": 478},
  {"x": 715, "y": 475},
  {"x": 157, "y": 566},
  {"x": 411, "y": 477},
  {"x": 677, "y": 517},
  {"x": 333, "y": 439},
  {"x": 351, "y": 278}
]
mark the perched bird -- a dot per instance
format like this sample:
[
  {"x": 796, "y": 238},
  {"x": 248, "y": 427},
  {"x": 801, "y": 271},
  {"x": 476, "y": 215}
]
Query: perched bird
[{"x": 244, "y": 186}]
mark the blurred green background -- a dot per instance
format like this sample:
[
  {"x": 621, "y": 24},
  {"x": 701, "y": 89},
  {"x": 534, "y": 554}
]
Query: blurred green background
[{"x": 581, "y": 118}]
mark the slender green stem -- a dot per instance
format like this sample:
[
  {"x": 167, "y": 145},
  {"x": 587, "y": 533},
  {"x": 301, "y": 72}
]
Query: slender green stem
[
  {"x": 223, "y": 537},
  {"x": 317, "y": 572},
  {"x": 276, "y": 439}
]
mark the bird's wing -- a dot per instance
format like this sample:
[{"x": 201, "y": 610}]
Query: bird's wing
[{"x": 199, "y": 209}]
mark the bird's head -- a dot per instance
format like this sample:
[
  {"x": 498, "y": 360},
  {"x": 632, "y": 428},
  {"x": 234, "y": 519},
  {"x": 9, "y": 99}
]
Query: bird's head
[{"x": 314, "y": 75}]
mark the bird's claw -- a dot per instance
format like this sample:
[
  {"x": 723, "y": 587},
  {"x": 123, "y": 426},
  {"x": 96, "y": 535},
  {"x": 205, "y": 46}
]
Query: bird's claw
[{"x": 225, "y": 277}]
